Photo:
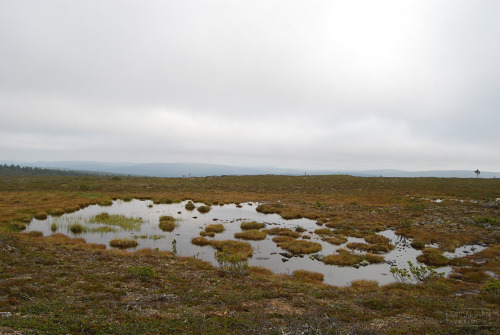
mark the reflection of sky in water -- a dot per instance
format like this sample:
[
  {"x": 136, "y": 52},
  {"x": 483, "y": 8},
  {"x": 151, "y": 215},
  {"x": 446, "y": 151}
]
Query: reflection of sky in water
[{"x": 266, "y": 253}]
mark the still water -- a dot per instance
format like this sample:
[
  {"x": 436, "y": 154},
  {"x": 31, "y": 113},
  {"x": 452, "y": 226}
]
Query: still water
[{"x": 266, "y": 253}]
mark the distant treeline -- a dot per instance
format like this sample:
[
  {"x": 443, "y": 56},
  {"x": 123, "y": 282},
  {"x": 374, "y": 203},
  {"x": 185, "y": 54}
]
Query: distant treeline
[{"x": 16, "y": 170}]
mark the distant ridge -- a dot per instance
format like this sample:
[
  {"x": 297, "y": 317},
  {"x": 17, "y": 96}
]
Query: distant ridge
[{"x": 203, "y": 170}]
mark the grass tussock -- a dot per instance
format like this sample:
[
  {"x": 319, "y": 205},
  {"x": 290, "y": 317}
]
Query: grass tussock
[
  {"x": 251, "y": 234},
  {"x": 40, "y": 215},
  {"x": 123, "y": 243},
  {"x": 200, "y": 240},
  {"x": 335, "y": 240},
  {"x": 252, "y": 225},
  {"x": 204, "y": 209},
  {"x": 308, "y": 276},
  {"x": 214, "y": 228},
  {"x": 300, "y": 246},
  {"x": 324, "y": 231},
  {"x": 167, "y": 223},
  {"x": 190, "y": 206},
  {"x": 76, "y": 228},
  {"x": 433, "y": 257},
  {"x": 242, "y": 249},
  {"x": 346, "y": 258}
]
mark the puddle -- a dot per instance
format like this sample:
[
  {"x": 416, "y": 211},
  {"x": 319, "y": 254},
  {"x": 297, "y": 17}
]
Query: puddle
[{"x": 266, "y": 253}]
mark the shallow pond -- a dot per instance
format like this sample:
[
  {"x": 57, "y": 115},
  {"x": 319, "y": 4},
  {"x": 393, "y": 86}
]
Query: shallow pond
[{"x": 266, "y": 253}]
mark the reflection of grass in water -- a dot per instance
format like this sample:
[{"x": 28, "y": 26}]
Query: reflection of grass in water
[
  {"x": 122, "y": 221},
  {"x": 102, "y": 229}
]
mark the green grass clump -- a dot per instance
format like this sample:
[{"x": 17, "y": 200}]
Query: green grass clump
[
  {"x": 300, "y": 246},
  {"x": 102, "y": 229},
  {"x": 204, "y": 209},
  {"x": 346, "y": 258},
  {"x": 167, "y": 223},
  {"x": 76, "y": 228},
  {"x": 251, "y": 234},
  {"x": 53, "y": 227},
  {"x": 122, "y": 221},
  {"x": 142, "y": 272},
  {"x": 214, "y": 228},
  {"x": 123, "y": 243},
  {"x": 488, "y": 220},
  {"x": 251, "y": 225},
  {"x": 190, "y": 206}
]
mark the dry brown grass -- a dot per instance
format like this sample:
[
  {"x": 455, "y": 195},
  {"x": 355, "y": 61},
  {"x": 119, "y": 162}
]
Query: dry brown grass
[
  {"x": 308, "y": 276},
  {"x": 282, "y": 232}
]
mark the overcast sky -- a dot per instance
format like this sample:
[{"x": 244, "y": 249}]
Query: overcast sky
[{"x": 409, "y": 85}]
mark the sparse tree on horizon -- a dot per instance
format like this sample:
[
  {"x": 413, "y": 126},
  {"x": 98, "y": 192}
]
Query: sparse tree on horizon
[{"x": 477, "y": 173}]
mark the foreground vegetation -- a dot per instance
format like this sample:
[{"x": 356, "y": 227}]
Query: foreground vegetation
[{"x": 58, "y": 285}]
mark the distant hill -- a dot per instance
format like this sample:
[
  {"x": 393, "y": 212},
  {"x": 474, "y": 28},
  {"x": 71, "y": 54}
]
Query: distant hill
[{"x": 203, "y": 170}]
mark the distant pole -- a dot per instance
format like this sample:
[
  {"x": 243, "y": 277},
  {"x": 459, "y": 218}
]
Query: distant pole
[{"x": 477, "y": 172}]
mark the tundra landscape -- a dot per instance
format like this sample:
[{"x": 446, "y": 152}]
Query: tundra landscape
[{"x": 58, "y": 283}]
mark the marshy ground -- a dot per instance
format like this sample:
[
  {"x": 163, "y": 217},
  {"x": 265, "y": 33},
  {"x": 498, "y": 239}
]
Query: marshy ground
[{"x": 57, "y": 284}]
